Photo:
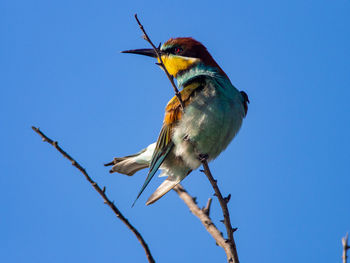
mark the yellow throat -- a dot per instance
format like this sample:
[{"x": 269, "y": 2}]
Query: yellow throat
[{"x": 174, "y": 64}]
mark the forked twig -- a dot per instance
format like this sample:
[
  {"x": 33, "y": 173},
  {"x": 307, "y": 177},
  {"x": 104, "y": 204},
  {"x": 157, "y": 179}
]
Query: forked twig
[
  {"x": 102, "y": 192},
  {"x": 223, "y": 203},
  {"x": 203, "y": 216}
]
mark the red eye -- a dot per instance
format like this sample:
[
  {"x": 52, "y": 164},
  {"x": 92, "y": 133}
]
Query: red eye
[{"x": 178, "y": 50}]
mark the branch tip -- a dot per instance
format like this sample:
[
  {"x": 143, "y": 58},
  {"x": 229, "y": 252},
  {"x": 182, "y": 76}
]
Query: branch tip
[
  {"x": 227, "y": 198},
  {"x": 157, "y": 51},
  {"x": 206, "y": 209}
]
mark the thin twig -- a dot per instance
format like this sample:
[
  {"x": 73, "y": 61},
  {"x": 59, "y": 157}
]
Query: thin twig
[
  {"x": 100, "y": 191},
  {"x": 223, "y": 203},
  {"x": 344, "y": 241},
  {"x": 206, "y": 209},
  {"x": 161, "y": 64},
  {"x": 205, "y": 219}
]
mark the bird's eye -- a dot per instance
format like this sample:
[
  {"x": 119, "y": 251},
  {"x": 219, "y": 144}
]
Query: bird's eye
[{"x": 177, "y": 50}]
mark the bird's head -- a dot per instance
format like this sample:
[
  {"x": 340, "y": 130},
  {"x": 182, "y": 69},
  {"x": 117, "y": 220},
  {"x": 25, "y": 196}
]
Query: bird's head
[{"x": 180, "y": 55}]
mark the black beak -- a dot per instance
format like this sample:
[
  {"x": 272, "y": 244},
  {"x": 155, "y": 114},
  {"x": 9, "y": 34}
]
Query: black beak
[{"x": 145, "y": 51}]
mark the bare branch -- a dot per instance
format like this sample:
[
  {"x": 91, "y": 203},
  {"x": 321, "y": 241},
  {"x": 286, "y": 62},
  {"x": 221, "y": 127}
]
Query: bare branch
[
  {"x": 161, "y": 64},
  {"x": 100, "y": 191},
  {"x": 223, "y": 203},
  {"x": 206, "y": 221},
  {"x": 344, "y": 241}
]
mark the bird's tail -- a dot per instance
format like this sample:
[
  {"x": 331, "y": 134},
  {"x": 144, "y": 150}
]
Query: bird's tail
[
  {"x": 126, "y": 165},
  {"x": 166, "y": 186},
  {"x": 129, "y": 165}
]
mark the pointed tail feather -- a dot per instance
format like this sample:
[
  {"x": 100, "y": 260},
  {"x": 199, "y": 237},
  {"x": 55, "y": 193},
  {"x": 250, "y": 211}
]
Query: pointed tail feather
[
  {"x": 165, "y": 187},
  {"x": 154, "y": 168},
  {"x": 168, "y": 184}
]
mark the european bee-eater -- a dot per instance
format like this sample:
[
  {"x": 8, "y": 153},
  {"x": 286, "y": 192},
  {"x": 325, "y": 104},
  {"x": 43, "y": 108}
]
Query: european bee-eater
[{"x": 213, "y": 114}]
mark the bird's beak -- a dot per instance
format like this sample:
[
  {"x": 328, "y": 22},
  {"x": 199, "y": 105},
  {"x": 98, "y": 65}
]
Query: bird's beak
[{"x": 145, "y": 51}]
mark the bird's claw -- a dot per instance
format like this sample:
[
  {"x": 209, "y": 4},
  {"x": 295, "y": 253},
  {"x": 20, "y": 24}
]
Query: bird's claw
[{"x": 203, "y": 157}]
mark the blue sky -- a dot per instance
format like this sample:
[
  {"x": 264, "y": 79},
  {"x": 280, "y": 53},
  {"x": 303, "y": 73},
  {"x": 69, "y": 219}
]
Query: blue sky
[{"x": 287, "y": 170}]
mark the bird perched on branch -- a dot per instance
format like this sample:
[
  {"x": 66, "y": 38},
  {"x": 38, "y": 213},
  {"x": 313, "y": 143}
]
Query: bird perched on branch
[{"x": 212, "y": 115}]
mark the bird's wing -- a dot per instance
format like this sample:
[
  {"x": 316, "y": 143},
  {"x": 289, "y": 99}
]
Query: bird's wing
[
  {"x": 173, "y": 114},
  {"x": 163, "y": 147}
]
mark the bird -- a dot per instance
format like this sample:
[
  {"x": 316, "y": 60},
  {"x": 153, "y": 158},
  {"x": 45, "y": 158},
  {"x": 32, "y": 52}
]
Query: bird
[{"x": 213, "y": 113}]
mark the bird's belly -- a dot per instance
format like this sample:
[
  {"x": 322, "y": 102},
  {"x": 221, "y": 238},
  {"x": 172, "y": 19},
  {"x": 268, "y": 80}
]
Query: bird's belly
[{"x": 208, "y": 125}]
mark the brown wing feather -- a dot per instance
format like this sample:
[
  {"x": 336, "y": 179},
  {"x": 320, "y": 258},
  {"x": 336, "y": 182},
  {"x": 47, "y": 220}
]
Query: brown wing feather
[{"x": 173, "y": 111}]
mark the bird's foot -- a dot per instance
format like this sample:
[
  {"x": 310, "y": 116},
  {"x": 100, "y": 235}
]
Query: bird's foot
[{"x": 203, "y": 157}]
